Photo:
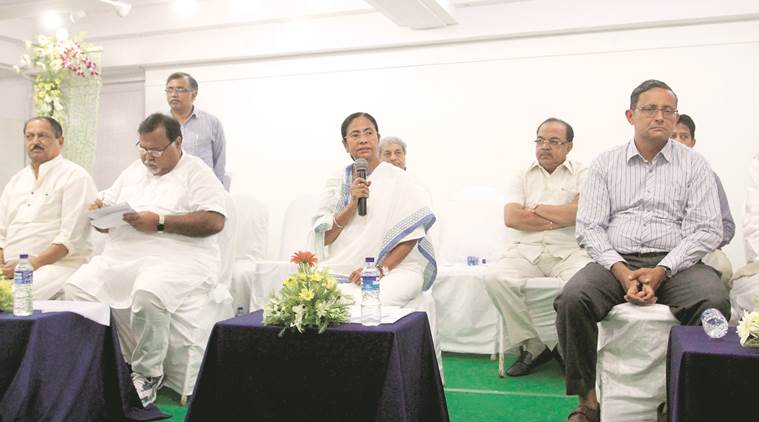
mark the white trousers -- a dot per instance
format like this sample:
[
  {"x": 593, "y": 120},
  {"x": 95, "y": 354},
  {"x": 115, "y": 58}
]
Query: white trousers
[
  {"x": 505, "y": 283},
  {"x": 49, "y": 280}
]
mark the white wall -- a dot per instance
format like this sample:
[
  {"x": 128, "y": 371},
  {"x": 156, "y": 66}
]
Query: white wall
[
  {"x": 122, "y": 107},
  {"x": 14, "y": 111},
  {"x": 469, "y": 110}
]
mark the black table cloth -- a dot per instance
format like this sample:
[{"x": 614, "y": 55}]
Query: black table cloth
[
  {"x": 348, "y": 373},
  {"x": 60, "y": 366},
  {"x": 711, "y": 379}
]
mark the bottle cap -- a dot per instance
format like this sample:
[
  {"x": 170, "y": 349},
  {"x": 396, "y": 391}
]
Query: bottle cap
[
  {"x": 23, "y": 256},
  {"x": 369, "y": 259}
]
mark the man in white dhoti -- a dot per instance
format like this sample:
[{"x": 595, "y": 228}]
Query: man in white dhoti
[
  {"x": 745, "y": 291},
  {"x": 393, "y": 229},
  {"x": 540, "y": 210},
  {"x": 165, "y": 254},
  {"x": 43, "y": 211}
]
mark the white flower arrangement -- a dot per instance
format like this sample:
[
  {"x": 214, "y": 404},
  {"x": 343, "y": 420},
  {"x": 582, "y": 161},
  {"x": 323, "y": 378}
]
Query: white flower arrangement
[
  {"x": 50, "y": 61},
  {"x": 748, "y": 328},
  {"x": 308, "y": 299}
]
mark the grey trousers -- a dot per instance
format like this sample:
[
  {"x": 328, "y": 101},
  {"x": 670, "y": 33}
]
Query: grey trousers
[{"x": 593, "y": 291}]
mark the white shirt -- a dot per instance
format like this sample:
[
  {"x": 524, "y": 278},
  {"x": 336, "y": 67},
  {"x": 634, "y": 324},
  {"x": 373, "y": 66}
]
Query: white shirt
[
  {"x": 536, "y": 186},
  {"x": 51, "y": 208}
]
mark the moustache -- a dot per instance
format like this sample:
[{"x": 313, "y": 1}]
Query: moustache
[{"x": 35, "y": 147}]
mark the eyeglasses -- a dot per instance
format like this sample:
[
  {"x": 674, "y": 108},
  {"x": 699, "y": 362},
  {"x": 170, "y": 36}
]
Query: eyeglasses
[
  {"x": 178, "y": 90},
  {"x": 155, "y": 153},
  {"x": 554, "y": 142},
  {"x": 355, "y": 136},
  {"x": 650, "y": 111}
]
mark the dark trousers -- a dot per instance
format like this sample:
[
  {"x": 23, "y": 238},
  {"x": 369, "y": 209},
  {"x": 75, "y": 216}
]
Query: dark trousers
[{"x": 591, "y": 293}]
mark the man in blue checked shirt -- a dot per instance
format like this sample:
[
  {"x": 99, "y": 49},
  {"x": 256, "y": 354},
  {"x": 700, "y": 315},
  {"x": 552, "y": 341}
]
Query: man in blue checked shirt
[{"x": 648, "y": 214}]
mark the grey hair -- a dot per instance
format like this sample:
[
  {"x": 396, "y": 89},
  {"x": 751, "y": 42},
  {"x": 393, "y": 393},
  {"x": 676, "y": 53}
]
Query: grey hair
[{"x": 392, "y": 140}]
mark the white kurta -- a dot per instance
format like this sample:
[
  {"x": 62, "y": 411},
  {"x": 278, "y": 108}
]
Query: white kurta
[
  {"x": 746, "y": 279},
  {"x": 51, "y": 208},
  {"x": 166, "y": 265},
  {"x": 36, "y": 212}
]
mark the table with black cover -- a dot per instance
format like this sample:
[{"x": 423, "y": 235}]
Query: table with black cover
[
  {"x": 348, "y": 373},
  {"x": 60, "y": 366},
  {"x": 711, "y": 379}
]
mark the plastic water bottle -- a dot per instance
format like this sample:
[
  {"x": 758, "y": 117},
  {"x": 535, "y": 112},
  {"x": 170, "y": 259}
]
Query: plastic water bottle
[
  {"x": 371, "y": 309},
  {"x": 22, "y": 287},
  {"x": 715, "y": 324}
]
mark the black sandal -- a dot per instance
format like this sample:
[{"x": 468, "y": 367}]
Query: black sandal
[{"x": 587, "y": 413}]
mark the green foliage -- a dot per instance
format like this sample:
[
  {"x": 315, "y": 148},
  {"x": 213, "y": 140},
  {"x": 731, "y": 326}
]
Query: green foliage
[{"x": 6, "y": 295}]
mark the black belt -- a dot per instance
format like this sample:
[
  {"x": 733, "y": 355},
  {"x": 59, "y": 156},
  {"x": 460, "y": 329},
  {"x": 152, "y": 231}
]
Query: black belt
[{"x": 645, "y": 254}]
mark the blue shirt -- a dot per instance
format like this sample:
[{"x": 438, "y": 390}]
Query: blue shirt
[
  {"x": 630, "y": 205},
  {"x": 203, "y": 137}
]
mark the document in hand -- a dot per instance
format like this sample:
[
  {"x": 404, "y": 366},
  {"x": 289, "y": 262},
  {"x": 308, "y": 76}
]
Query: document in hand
[{"x": 110, "y": 217}]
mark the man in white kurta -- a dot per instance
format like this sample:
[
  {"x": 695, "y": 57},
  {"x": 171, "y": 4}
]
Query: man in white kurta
[
  {"x": 541, "y": 204},
  {"x": 744, "y": 296},
  {"x": 43, "y": 211},
  {"x": 165, "y": 254}
]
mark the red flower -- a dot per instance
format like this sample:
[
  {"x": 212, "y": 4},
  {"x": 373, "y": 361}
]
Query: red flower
[{"x": 304, "y": 258}]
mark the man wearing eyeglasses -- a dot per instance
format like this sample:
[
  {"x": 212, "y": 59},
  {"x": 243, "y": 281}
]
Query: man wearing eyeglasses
[
  {"x": 202, "y": 133},
  {"x": 541, "y": 203},
  {"x": 648, "y": 213},
  {"x": 43, "y": 211},
  {"x": 165, "y": 255}
]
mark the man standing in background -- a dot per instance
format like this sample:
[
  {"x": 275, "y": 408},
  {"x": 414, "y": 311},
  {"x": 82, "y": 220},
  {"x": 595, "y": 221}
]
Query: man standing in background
[
  {"x": 202, "y": 133},
  {"x": 393, "y": 151}
]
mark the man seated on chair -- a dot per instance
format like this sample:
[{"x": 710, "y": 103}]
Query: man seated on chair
[
  {"x": 165, "y": 253},
  {"x": 648, "y": 213},
  {"x": 541, "y": 203},
  {"x": 43, "y": 211},
  {"x": 393, "y": 150},
  {"x": 685, "y": 133},
  {"x": 393, "y": 231},
  {"x": 745, "y": 291}
]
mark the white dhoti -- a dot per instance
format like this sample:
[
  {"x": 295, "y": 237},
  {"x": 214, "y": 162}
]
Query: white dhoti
[{"x": 49, "y": 280}]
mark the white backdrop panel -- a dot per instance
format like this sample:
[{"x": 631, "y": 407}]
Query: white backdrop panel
[{"x": 469, "y": 111}]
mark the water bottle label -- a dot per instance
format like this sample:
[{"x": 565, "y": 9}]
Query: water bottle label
[
  {"x": 369, "y": 282},
  {"x": 23, "y": 277}
]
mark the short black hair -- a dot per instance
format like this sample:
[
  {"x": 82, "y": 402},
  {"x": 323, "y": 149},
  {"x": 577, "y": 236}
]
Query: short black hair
[
  {"x": 156, "y": 120},
  {"x": 180, "y": 75},
  {"x": 349, "y": 119},
  {"x": 687, "y": 121},
  {"x": 645, "y": 86},
  {"x": 57, "y": 128},
  {"x": 570, "y": 131}
]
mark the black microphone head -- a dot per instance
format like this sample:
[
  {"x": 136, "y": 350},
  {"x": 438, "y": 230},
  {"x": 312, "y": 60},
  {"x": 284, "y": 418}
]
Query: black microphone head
[{"x": 361, "y": 164}]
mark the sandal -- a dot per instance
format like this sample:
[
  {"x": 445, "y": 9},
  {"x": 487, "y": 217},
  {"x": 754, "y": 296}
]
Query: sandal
[{"x": 585, "y": 414}]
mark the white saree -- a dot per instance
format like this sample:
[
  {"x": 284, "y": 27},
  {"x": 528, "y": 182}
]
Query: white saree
[{"x": 397, "y": 211}]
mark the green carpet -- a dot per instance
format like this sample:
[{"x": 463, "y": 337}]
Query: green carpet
[{"x": 475, "y": 393}]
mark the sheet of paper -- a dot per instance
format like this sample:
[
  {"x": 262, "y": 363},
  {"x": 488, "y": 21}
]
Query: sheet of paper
[
  {"x": 93, "y": 311},
  {"x": 110, "y": 217},
  {"x": 390, "y": 314}
]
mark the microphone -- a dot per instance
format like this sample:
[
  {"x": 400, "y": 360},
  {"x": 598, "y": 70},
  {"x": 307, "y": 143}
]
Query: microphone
[{"x": 361, "y": 166}]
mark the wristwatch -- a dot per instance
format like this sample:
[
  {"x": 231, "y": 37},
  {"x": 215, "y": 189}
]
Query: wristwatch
[{"x": 161, "y": 224}]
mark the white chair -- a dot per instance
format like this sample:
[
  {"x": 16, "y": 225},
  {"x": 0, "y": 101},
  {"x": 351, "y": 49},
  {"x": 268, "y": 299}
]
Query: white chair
[
  {"x": 471, "y": 224},
  {"x": 539, "y": 294},
  {"x": 631, "y": 366},
  {"x": 250, "y": 243},
  {"x": 296, "y": 225}
]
